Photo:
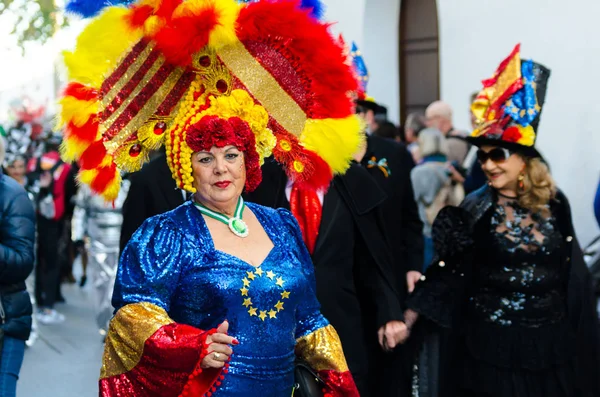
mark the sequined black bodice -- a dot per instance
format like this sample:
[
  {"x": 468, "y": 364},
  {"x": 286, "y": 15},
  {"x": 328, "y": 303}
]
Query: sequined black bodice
[{"x": 518, "y": 275}]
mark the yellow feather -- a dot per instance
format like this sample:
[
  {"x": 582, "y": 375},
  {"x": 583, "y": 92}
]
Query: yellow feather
[
  {"x": 76, "y": 111},
  {"x": 112, "y": 190},
  {"x": 334, "y": 140},
  {"x": 87, "y": 176},
  {"x": 225, "y": 34},
  {"x": 527, "y": 136},
  {"x": 101, "y": 46},
  {"x": 227, "y": 13},
  {"x": 152, "y": 3},
  {"x": 106, "y": 161},
  {"x": 72, "y": 148},
  {"x": 152, "y": 25}
]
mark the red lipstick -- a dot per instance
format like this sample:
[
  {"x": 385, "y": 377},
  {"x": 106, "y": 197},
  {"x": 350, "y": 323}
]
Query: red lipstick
[{"x": 222, "y": 184}]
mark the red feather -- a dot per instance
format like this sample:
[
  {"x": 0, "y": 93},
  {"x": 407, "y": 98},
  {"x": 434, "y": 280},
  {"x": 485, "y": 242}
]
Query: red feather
[
  {"x": 105, "y": 176},
  {"x": 317, "y": 175},
  {"x": 184, "y": 36},
  {"x": 139, "y": 14},
  {"x": 93, "y": 156},
  {"x": 311, "y": 48},
  {"x": 81, "y": 92},
  {"x": 166, "y": 8},
  {"x": 85, "y": 133}
]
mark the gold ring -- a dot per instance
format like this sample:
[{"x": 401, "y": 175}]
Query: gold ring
[{"x": 216, "y": 356}]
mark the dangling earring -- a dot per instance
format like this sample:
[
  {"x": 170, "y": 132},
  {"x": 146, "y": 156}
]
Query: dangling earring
[{"x": 521, "y": 181}]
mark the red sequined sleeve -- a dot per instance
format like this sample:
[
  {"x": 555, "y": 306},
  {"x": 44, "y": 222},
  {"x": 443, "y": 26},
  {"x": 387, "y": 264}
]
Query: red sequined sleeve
[{"x": 148, "y": 355}]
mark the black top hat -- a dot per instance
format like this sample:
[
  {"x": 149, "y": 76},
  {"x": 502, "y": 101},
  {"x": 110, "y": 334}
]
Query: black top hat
[
  {"x": 509, "y": 107},
  {"x": 368, "y": 105}
]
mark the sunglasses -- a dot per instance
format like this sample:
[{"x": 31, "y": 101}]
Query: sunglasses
[{"x": 497, "y": 155}]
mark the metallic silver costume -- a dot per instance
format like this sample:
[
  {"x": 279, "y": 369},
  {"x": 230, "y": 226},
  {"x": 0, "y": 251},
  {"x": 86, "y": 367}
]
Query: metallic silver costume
[{"x": 99, "y": 224}]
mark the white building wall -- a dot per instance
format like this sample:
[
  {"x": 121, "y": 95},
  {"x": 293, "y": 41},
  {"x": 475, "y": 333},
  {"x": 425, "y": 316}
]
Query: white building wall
[
  {"x": 474, "y": 37},
  {"x": 373, "y": 25}
]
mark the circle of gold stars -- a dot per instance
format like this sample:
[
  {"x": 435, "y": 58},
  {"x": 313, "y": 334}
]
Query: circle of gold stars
[{"x": 254, "y": 311}]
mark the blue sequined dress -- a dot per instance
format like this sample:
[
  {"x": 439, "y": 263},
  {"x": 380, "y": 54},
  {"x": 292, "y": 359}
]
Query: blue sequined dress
[{"x": 171, "y": 262}]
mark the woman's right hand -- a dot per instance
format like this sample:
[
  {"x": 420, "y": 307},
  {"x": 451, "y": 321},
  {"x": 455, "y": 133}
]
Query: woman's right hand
[{"x": 219, "y": 350}]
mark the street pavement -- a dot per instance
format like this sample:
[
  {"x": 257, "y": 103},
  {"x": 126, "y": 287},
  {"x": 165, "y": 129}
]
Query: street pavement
[{"x": 65, "y": 359}]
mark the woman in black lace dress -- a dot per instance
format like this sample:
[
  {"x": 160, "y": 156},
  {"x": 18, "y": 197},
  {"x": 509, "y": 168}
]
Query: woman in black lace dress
[{"x": 508, "y": 279}]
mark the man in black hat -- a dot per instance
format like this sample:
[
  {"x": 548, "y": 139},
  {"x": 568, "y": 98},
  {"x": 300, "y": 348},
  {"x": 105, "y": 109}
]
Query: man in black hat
[
  {"x": 372, "y": 113},
  {"x": 390, "y": 164}
]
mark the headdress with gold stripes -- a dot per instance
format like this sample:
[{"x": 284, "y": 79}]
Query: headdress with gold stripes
[{"x": 142, "y": 75}]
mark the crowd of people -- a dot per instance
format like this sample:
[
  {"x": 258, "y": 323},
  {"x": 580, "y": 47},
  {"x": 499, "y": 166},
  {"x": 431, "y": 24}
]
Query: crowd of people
[{"x": 249, "y": 228}]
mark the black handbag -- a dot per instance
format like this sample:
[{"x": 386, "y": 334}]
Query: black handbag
[{"x": 308, "y": 382}]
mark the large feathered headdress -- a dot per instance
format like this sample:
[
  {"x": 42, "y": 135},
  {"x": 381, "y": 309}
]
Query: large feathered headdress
[{"x": 154, "y": 72}]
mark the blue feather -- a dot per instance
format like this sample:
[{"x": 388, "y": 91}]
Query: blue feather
[
  {"x": 318, "y": 8},
  {"x": 90, "y": 8},
  {"x": 360, "y": 66}
]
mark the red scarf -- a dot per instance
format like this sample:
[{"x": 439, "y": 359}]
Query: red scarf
[{"x": 307, "y": 209}]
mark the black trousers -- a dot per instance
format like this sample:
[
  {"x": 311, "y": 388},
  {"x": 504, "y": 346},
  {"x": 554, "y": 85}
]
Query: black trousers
[
  {"x": 47, "y": 271},
  {"x": 362, "y": 384}
]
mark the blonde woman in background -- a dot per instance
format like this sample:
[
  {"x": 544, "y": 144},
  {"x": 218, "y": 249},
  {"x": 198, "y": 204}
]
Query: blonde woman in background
[
  {"x": 434, "y": 183},
  {"x": 508, "y": 279}
]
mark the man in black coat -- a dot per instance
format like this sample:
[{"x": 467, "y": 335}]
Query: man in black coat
[
  {"x": 152, "y": 191},
  {"x": 352, "y": 262},
  {"x": 389, "y": 163}
]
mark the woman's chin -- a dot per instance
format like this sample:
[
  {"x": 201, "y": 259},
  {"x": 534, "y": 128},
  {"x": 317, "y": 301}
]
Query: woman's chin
[
  {"x": 224, "y": 195},
  {"x": 498, "y": 183}
]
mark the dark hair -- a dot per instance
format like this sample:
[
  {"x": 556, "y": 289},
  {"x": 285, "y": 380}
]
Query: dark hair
[
  {"x": 387, "y": 130},
  {"x": 415, "y": 122}
]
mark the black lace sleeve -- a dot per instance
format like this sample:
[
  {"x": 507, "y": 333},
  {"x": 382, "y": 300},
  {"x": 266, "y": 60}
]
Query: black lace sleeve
[{"x": 441, "y": 291}]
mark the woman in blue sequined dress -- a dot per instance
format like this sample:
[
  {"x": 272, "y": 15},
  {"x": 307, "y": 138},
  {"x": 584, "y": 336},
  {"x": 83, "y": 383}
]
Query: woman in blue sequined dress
[
  {"x": 258, "y": 290},
  {"x": 509, "y": 280},
  {"x": 217, "y": 297}
]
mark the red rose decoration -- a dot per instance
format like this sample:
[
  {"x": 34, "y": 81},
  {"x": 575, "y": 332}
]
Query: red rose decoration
[
  {"x": 214, "y": 131},
  {"x": 512, "y": 134}
]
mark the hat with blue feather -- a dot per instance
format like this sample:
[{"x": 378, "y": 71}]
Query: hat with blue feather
[
  {"x": 363, "y": 101},
  {"x": 508, "y": 108}
]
